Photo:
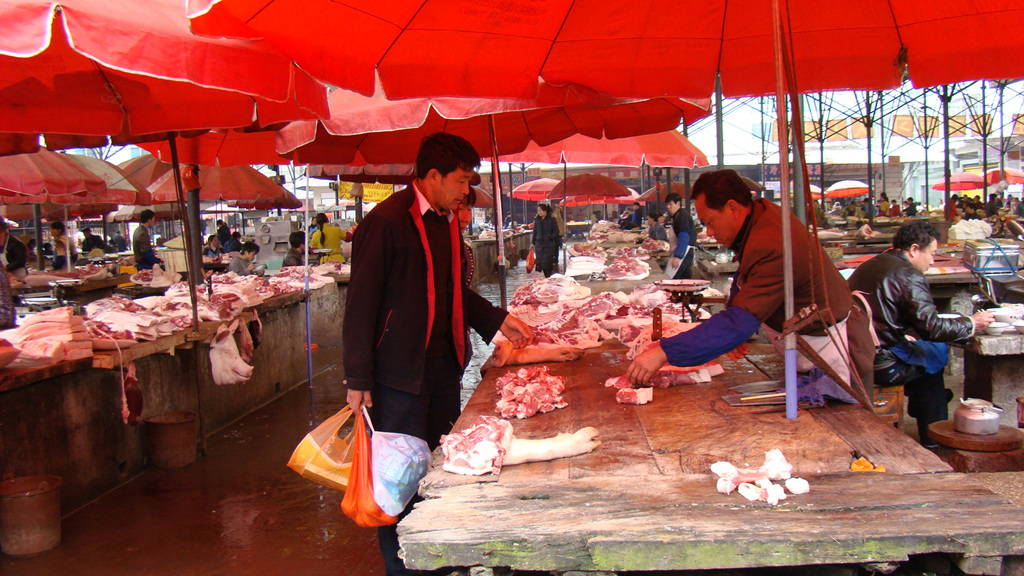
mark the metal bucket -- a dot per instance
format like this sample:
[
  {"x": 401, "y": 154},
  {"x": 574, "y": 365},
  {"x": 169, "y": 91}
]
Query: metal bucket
[
  {"x": 172, "y": 439},
  {"x": 29, "y": 514}
]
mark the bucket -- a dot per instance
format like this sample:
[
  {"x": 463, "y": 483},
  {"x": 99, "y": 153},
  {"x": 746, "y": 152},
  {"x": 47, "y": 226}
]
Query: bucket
[
  {"x": 29, "y": 514},
  {"x": 172, "y": 439}
]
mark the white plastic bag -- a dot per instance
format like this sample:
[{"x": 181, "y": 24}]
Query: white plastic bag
[{"x": 399, "y": 463}]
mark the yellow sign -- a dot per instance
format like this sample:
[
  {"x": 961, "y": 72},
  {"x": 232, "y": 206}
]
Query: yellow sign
[{"x": 371, "y": 192}]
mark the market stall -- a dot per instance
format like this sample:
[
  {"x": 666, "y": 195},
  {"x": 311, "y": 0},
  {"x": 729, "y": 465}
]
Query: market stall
[{"x": 646, "y": 499}]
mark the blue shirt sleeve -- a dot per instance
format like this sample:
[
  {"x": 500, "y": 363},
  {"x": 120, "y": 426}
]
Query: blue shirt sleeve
[
  {"x": 682, "y": 244},
  {"x": 717, "y": 335}
]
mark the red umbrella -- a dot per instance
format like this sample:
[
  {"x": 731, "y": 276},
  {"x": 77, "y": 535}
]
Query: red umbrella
[
  {"x": 585, "y": 200},
  {"x": 221, "y": 148},
  {"x": 961, "y": 181},
  {"x": 286, "y": 201},
  {"x": 144, "y": 170},
  {"x": 669, "y": 148},
  {"x": 1011, "y": 175},
  {"x": 364, "y": 173},
  {"x": 243, "y": 183},
  {"x": 535, "y": 190},
  {"x": 121, "y": 67},
  {"x": 120, "y": 189},
  {"x": 386, "y": 131},
  {"x": 51, "y": 211},
  {"x": 627, "y": 47},
  {"x": 588, "y": 186},
  {"x": 46, "y": 176},
  {"x": 846, "y": 189}
]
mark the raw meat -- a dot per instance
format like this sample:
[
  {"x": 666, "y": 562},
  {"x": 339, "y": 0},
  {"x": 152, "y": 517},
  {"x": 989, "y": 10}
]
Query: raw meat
[
  {"x": 618, "y": 382},
  {"x": 506, "y": 355},
  {"x": 490, "y": 443},
  {"x": 131, "y": 396},
  {"x": 651, "y": 245},
  {"x": 527, "y": 391},
  {"x": 628, "y": 269},
  {"x": 730, "y": 477},
  {"x": 634, "y": 396},
  {"x": 548, "y": 290},
  {"x": 226, "y": 364},
  {"x": 585, "y": 265},
  {"x": 478, "y": 450}
]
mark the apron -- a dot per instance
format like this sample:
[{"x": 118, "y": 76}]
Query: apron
[{"x": 822, "y": 345}]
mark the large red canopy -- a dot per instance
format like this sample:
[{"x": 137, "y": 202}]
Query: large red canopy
[
  {"x": 123, "y": 67},
  {"x": 663, "y": 149},
  {"x": 377, "y": 130},
  {"x": 642, "y": 48}
]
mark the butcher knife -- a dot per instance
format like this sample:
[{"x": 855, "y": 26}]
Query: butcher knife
[{"x": 763, "y": 387}]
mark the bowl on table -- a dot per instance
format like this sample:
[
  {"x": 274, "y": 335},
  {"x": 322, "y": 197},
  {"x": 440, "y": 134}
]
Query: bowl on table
[
  {"x": 1006, "y": 314},
  {"x": 997, "y": 328},
  {"x": 1018, "y": 325}
]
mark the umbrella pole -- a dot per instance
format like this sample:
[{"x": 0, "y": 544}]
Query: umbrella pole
[
  {"x": 37, "y": 216},
  {"x": 498, "y": 221},
  {"x": 946, "y": 97},
  {"x": 309, "y": 321},
  {"x": 789, "y": 341},
  {"x": 192, "y": 272}
]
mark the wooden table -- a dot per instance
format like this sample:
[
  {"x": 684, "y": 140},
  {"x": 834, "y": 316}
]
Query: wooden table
[{"x": 645, "y": 499}]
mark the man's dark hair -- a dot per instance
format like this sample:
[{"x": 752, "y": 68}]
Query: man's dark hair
[
  {"x": 146, "y": 215},
  {"x": 920, "y": 232},
  {"x": 86, "y": 230},
  {"x": 296, "y": 239},
  {"x": 445, "y": 153},
  {"x": 57, "y": 225},
  {"x": 221, "y": 223},
  {"x": 250, "y": 247},
  {"x": 545, "y": 207},
  {"x": 236, "y": 235},
  {"x": 674, "y": 197},
  {"x": 721, "y": 186},
  {"x": 654, "y": 214},
  {"x": 637, "y": 204}
]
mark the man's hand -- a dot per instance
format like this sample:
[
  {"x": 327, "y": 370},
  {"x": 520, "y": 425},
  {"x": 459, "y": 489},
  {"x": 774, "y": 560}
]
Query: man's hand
[
  {"x": 646, "y": 364},
  {"x": 359, "y": 398},
  {"x": 675, "y": 262},
  {"x": 982, "y": 319},
  {"x": 517, "y": 331},
  {"x": 740, "y": 352}
]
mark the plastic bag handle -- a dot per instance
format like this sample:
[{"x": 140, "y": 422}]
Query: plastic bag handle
[{"x": 369, "y": 422}]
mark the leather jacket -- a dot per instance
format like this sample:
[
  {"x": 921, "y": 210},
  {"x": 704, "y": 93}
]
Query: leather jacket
[{"x": 901, "y": 304}]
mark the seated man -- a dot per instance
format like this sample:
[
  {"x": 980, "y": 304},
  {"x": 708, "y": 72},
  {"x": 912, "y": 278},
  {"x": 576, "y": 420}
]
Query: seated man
[
  {"x": 243, "y": 264},
  {"x": 911, "y": 334}
]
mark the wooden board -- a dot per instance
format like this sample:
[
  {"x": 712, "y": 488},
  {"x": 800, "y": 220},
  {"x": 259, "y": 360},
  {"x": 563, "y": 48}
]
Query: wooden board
[
  {"x": 11, "y": 378},
  {"x": 109, "y": 359},
  {"x": 1007, "y": 438},
  {"x": 649, "y": 522}
]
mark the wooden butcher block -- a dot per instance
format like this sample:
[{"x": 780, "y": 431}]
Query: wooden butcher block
[{"x": 1007, "y": 438}]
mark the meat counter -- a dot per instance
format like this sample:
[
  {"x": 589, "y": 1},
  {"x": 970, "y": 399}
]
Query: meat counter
[{"x": 645, "y": 498}]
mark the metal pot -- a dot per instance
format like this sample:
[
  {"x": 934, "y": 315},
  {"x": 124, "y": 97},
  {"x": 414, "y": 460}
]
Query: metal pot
[{"x": 976, "y": 416}]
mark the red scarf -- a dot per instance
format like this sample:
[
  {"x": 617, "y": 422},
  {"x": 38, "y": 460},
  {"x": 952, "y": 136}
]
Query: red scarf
[{"x": 458, "y": 327}]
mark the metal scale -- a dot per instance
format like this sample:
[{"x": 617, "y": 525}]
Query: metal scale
[{"x": 686, "y": 292}]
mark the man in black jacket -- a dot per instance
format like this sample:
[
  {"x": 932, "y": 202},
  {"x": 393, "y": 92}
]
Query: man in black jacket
[
  {"x": 408, "y": 310},
  {"x": 911, "y": 334}
]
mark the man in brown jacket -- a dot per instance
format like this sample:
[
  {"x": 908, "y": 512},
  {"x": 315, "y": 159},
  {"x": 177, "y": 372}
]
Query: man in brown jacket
[{"x": 753, "y": 230}]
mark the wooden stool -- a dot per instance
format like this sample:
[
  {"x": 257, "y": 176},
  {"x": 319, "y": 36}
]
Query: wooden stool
[{"x": 888, "y": 404}]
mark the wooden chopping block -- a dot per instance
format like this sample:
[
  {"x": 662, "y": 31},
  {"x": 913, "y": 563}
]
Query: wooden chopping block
[{"x": 1007, "y": 438}]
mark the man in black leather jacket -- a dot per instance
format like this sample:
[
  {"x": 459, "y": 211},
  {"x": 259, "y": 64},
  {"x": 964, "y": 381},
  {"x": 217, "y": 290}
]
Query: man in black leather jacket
[{"x": 911, "y": 333}]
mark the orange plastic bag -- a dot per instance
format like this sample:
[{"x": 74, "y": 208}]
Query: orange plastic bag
[
  {"x": 531, "y": 260},
  {"x": 359, "y": 504}
]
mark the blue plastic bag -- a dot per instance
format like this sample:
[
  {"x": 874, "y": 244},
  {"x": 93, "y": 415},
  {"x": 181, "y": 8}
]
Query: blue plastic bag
[{"x": 399, "y": 463}]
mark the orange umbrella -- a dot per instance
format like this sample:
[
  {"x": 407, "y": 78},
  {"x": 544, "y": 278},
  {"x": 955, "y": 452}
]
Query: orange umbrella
[
  {"x": 221, "y": 148},
  {"x": 1011, "y": 175},
  {"x": 535, "y": 189},
  {"x": 668, "y": 148},
  {"x": 846, "y": 189},
  {"x": 585, "y": 200},
  {"x": 144, "y": 170}
]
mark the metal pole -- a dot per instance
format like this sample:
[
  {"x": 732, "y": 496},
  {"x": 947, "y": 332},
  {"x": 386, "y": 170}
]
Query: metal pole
[
  {"x": 881, "y": 148},
  {"x": 37, "y": 216},
  {"x": 984, "y": 146},
  {"x": 868, "y": 123},
  {"x": 925, "y": 134},
  {"x": 720, "y": 138},
  {"x": 799, "y": 194},
  {"x": 686, "y": 178},
  {"x": 946, "y": 97},
  {"x": 789, "y": 342},
  {"x": 309, "y": 320},
  {"x": 498, "y": 220}
]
